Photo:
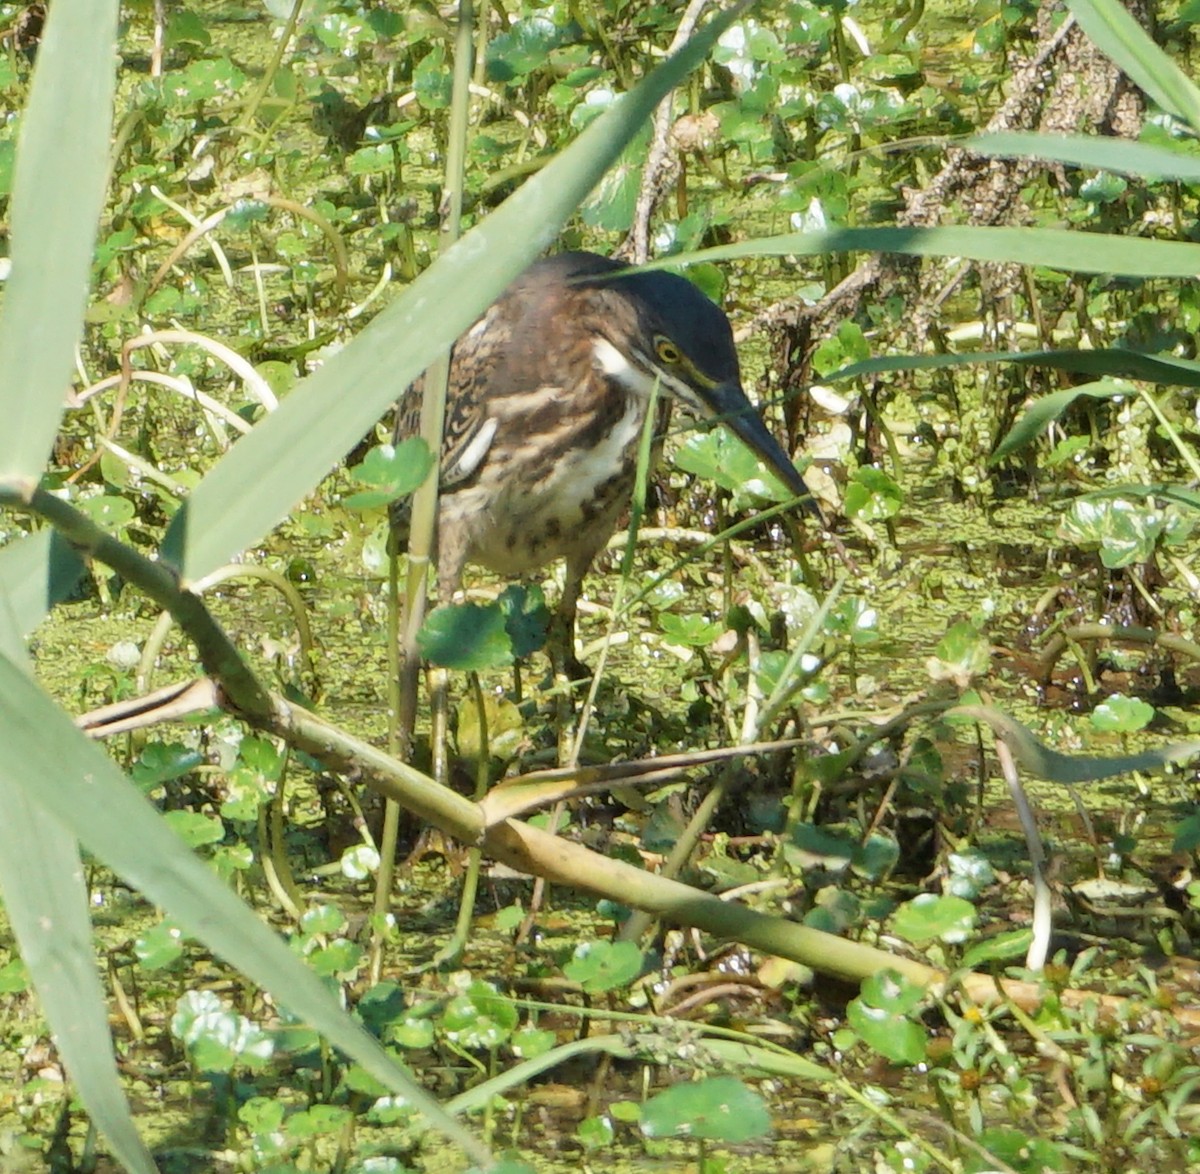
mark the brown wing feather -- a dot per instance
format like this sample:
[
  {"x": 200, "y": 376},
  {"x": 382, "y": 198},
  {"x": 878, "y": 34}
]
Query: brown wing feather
[{"x": 474, "y": 355}]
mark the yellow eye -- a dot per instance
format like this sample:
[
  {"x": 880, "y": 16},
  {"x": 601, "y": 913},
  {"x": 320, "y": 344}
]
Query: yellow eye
[{"x": 668, "y": 352}]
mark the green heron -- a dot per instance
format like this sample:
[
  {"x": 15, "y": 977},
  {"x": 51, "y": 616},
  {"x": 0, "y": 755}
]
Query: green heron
[{"x": 547, "y": 399}]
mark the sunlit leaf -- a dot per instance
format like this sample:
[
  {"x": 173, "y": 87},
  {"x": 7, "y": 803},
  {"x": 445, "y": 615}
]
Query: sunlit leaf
[
  {"x": 195, "y": 828},
  {"x": 930, "y": 916},
  {"x": 58, "y": 192},
  {"x": 1048, "y": 408},
  {"x": 603, "y": 966},
  {"x": 392, "y": 472},
  {"x": 891, "y": 991},
  {"x": 218, "y": 1039},
  {"x": 522, "y": 47},
  {"x": 479, "y": 1018},
  {"x": 108, "y": 512},
  {"x": 720, "y": 457},
  {"x": 892, "y": 1035},
  {"x": 720, "y": 1108},
  {"x": 970, "y": 872},
  {"x": 1021, "y": 1150},
  {"x": 1122, "y": 715},
  {"x": 1125, "y": 532},
  {"x": 692, "y": 631},
  {"x": 872, "y": 495},
  {"x": 469, "y": 637},
  {"x": 961, "y": 655},
  {"x": 160, "y": 946}
]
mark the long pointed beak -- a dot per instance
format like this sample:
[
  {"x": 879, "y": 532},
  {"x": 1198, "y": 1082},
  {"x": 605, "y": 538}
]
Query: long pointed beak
[{"x": 728, "y": 403}]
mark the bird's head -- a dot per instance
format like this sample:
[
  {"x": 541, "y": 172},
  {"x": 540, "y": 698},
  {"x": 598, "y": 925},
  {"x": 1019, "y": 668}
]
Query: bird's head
[{"x": 654, "y": 325}]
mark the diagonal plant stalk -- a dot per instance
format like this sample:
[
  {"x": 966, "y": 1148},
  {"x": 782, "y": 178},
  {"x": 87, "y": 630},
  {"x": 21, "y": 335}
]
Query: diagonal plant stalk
[
  {"x": 210, "y": 521},
  {"x": 524, "y": 793},
  {"x": 423, "y": 530},
  {"x": 218, "y": 654},
  {"x": 246, "y": 119},
  {"x": 538, "y": 853},
  {"x": 523, "y": 847},
  {"x": 143, "y": 836}
]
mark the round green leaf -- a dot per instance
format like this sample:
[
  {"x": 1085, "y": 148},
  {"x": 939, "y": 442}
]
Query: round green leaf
[
  {"x": 595, "y": 1133},
  {"x": 480, "y": 1018},
  {"x": 894, "y": 1037},
  {"x": 691, "y": 631},
  {"x": 961, "y": 655},
  {"x": 468, "y": 637},
  {"x": 108, "y": 512},
  {"x": 522, "y": 49},
  {"x": 720, "y": 457},
  {"x": 1122, "y": 715},
  {"x": 359, "y": 861},
  {"x": 432, "y": 80},
  {"x": 890, "y": 991},
  {"x": 322, "y": 919},
  {"x": 160, "y": 762},
  {"x": 872, "y": 495},
  {"x": 970, "y": 873},
  {"x": 526, "y": 618},
  {"x": 532, "y": 1041},
  {"x": 1021, "y": 1151},
  {"x": 929, "y": 917},
  {"x": 390, "y": 472},
  {"x": 377, "y": 159},
  {"x": 604, "y": 966},
  {"x": 340, "y": 959},
  {"x": 194, "y": 828},
  {"x": 159, "y": 946},
  {"x": 720, "y": 1108},
  {"x": 412, "y": 1031}
]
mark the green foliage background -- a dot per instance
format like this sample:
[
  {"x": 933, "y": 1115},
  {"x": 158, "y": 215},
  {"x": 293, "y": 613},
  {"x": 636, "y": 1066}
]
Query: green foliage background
[{"x": 82, "y": 224}]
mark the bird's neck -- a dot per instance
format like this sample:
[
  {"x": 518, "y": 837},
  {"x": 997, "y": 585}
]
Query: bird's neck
[{"x": 619, "y": 370}]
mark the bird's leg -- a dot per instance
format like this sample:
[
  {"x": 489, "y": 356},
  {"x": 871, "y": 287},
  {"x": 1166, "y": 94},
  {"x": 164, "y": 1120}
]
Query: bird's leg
[
  {"x": 449, "y": 575},
  {"x": 567, "y": 668},
  {"x": 561, "y": 641},
  {"x": 451, "y": 559},
  {"x": 451, "y": 952},
  {"x": 450, "y": 568}
]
